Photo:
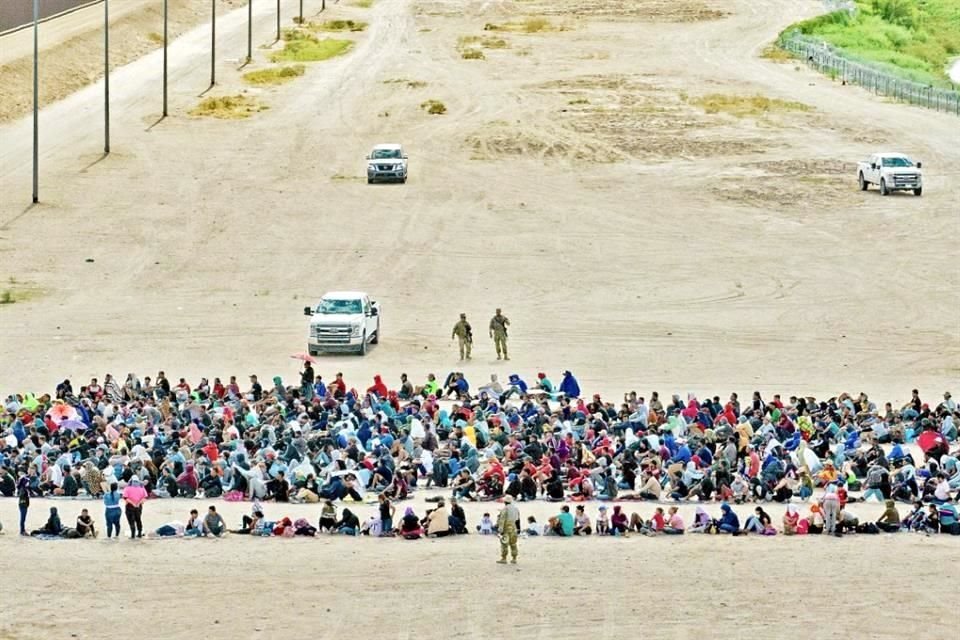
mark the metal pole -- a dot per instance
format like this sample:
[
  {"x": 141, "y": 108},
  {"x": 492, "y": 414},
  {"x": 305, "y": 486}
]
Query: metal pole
[
  {"x": 165, "y": 2},
  {"x": 278, "y": 20},
  {"x": 249, "y": 31},
  {"x": 323, "y": 5},
  {"x": 301, "y": 11},
  {"x": 106, "y": 76},
  {"x": 213, "y": 43},
  {"x": 36, "y": 107}
]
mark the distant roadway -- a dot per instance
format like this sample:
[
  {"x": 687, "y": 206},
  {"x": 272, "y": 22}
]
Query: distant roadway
[{"x": 16, "y": 13}]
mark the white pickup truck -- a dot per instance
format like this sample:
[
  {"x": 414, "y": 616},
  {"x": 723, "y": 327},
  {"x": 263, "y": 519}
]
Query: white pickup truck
[
  {"x": 891, "y": 172},
  {"x": 343, "y": 321}
]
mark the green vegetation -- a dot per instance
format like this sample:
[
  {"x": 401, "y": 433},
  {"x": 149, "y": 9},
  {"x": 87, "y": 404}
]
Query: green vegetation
[
  {"x": 742, "y": 106},
  {"x": 301, "y": 46},
  {"x": 434, "y": 107},
  {"x": 7, "y": 297},
  {"x": 913, "y": 38},
  {"x": 363, "y": 4},
  {"x": 528, "y": 25},
  {"x": 338, "y": 25},
  {"x": 579, "y": 101},
  {"x": 274, "y": 75},
  {"x": 472, "y": 54},
  {"x": 227, "y": 107},
  {"x": 154, "y": 37}
]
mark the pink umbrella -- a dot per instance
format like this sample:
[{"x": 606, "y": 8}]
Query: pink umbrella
[
  {"x": 303, "y": 356},
  {"x": 62, "y": 411}
]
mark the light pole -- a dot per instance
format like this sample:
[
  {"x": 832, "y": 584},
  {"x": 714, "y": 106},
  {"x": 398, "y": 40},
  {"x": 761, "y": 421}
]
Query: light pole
[
  {"x": 36, "y": 107},
  {"x": 278, "y": 20},
  {"x": 165, "y": 2},
  {"x": 301, "y": 11},
  {"x": 213, "y": 42},
  {"x": 106, "y": 76},
  {"x": 249, "y": 31}
]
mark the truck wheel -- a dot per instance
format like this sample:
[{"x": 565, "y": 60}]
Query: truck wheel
[
  {"x": 376, "y": 336},
  {"x": 883, "y": 187},
  {"x": 313, "y": 352},
  {"x": 918, "y": 192},
  {"x": 863, "y": 183},
  {"x": 363, "y": 344},
  {"x": 369, "y": 180}
]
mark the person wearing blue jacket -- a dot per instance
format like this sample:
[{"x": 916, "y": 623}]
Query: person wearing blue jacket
[
  {"x": 729, "y": 522},
  {"x": 569, "y": 386}
]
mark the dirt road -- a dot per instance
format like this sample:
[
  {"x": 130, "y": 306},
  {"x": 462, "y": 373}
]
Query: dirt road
[{"x": 574, "y": 181}]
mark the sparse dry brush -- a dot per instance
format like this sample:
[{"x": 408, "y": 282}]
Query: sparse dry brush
[
  {"x": 433, "y": 107},
  {"x": 274, "y": 75},
  {"x": 743, "y": 106},
  {"x": 234, "y": 107}
]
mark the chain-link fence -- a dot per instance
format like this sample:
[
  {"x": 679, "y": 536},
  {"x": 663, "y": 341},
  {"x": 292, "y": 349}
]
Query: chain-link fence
[{"x": 834, "y": 63}]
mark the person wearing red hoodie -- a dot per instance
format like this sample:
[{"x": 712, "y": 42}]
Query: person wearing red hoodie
[{"x": 378, "y": 388}]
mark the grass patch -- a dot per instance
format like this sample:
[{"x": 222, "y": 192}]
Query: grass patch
[
  {"x": 155, "y": 38},
  {"x": 776, "y": 54},
  {"x": 274, "y": 75},
  {"x": 304, "y": 47},
  {"x": 14, "y": 295},
  {"x": 472, "y": 54},
  {"x": 338, "y": 25},
  {"x": 227, "y": 107},
  {"x": 363, "y": 4},
  {"x": 434, "y": 107},
  {"x": 916, "y": 39},
  {"x": 743, "y": 106},
  {"x": 528, "y": 25},
  {"x": 579, "y": 101}
]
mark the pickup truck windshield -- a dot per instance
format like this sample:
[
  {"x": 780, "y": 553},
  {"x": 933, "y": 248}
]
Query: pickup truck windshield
[
  {"x": 340, "y": 306},
  {"x": 897, "y": 162},
  {"x": 384, "y": 154}
]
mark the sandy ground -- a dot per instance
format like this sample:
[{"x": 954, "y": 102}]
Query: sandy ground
[
  {"x": 634, "y": 239},
  {"x": 574, "y": 181},
  {"x": 333, "y": 586}
]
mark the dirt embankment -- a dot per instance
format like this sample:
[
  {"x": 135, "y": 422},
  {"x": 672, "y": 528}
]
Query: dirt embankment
[{"x": 77, "y": 62}]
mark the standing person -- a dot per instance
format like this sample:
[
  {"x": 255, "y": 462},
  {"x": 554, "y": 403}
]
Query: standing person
[
  {"x": 23, "y": 500},
  {"x": 463, "y": 332},
  {"x": 134, "y": 495},
  {"x": 111, "y": 506},
  {"x": 498, "y": 331},
  {"x": 307, "y": 378},
  {"x": 831, "y": 509},
  {"x": 386, "y": 515},
  {"x": 507, "y": 525}
]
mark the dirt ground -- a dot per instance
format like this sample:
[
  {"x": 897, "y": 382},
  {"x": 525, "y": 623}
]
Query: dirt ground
[
  {"x": 575, "y": 180},
  {"x": 333, "y": 586}
]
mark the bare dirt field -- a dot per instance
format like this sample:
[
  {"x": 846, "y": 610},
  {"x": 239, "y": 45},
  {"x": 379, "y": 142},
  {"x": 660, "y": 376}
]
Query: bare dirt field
[{"x": 653, "y": 204}]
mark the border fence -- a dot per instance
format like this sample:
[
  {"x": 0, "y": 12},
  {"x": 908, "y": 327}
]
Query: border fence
[{"x": 834, "y": 63}]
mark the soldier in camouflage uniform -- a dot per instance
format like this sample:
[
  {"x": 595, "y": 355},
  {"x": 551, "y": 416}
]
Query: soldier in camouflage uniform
[
  {"x": 507, "y": 524},
  {"x": 463, "y": 332},
  {"x": 498, "y": 331}
]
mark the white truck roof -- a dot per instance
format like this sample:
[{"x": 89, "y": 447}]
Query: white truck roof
[{"x": 344, "y": 295}]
